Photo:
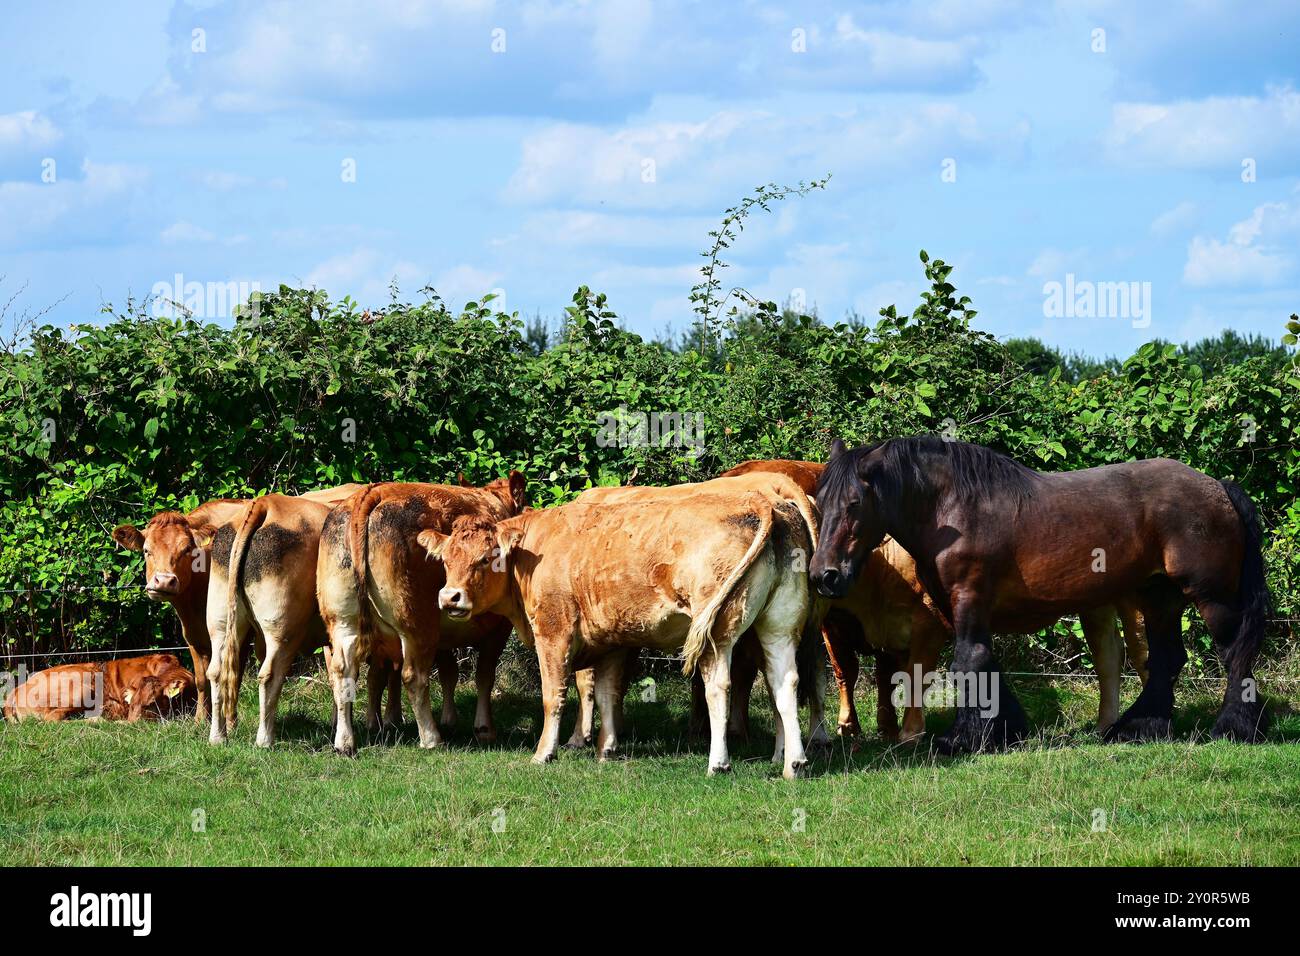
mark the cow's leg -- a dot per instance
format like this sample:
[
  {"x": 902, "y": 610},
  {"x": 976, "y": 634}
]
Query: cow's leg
[
  {"x": 448, "y": 676},
  {"x": 417, "y": 663},
  {"x": 220, "y": 630},
  {"x": 344, "y": 661},
  {"x": 609, "y": 688},
  {"x": 844, "y": 662},
  {"x": 393, "y": 705},
  {"x": 553, "y": 662},
  {"x": 887, "y": 665},
  {"x": 744, "y": 671},
  {"x": 584, "y": 729},
  {"x": 928, "y": 639},
  {"x": 814, "y": 652},
  {"x": 376, "y": 679},
  {"x": 485, "y": 678},
  {"x": 1107, "y": 657},
  {"x": 276, "y": 663},
  {"x": 699, "y": 719},
  {"x": 202, "y": 704},
  {"x": 716, "y": 666},
  {"x": 779, "y": 653}
]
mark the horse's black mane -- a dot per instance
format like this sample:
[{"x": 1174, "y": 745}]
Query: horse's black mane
[{"x": 907, "y": 467}]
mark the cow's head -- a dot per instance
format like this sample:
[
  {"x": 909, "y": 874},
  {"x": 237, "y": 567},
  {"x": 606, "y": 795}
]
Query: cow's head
[
  {"x": 510, "y": 490},
  {"x": 174, "y": 550},
  {"x": 476, "y": 559},
  {"x": 154, "y": 697}
]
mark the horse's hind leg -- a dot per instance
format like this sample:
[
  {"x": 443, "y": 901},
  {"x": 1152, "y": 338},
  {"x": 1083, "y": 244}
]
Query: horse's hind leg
[
  {"x": 989, "y": 715},
  {"x": 1242, "y": 716},
  {"x": 1150, "y": 717}
]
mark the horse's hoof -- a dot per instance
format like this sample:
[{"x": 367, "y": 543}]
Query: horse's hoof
[
  {"x": 1242, "y": 722},
  {"x": 1138, "y": 729}
]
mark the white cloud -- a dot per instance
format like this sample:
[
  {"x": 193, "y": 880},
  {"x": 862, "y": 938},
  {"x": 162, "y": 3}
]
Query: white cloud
[
  {"x": 1179, "y": 219},
  {"x": 1217, "y": 132},
  {"x": 27, "y": 131},
  {"x": 1255, "y": 252},
  {"x": 671, "y": 164},
  {"x": 182, "y": 231},
  {"x": 98, "y": 206}
]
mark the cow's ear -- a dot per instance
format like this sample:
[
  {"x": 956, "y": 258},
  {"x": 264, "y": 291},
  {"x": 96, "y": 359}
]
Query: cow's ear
[
  {"x": 128, "y": 536},
  {"x": 432, "y": 541},
  {"x": 203, "y": 535},
  {"x": 508, "y": 539},
  {"x": 518, "y": 484},
  {"x": 837, "y": 448}
]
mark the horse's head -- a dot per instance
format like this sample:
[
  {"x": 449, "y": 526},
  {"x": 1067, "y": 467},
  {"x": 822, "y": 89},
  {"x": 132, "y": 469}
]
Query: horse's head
[{"x": 852, "y": 526}]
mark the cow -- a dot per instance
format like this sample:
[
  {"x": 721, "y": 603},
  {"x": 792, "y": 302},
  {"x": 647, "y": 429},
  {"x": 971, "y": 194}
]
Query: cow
[
  {"x": 149, "y": 687},
  {"x": 263, "y": 582},
  {"x": 589, "y": 582},
  {"x": 747, "y": 658},
  {"x": 375, "y": 583},
  {"x": 177, "y": 553}
]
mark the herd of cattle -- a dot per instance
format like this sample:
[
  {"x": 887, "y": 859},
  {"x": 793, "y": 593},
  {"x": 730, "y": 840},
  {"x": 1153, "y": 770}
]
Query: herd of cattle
[{"x": 398, "y": 576}]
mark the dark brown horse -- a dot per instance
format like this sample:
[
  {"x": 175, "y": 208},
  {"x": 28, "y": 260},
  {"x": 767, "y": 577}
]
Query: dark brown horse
[{"x": 1001, "y": 547}]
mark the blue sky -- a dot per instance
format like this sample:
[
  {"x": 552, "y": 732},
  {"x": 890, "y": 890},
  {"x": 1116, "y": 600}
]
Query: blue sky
[{"x": 1110, "y": 158}]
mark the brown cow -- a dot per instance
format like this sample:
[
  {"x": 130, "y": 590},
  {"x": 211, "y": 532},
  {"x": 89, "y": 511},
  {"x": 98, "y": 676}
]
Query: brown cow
[
  {"x": 149, "y": 687},
  {"x": 375, "y": 583},
  {"x": 585, "y": 583},
  {"x": 177, "y": 554}
]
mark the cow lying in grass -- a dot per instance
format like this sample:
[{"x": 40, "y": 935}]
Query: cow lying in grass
[
  {"x": 375, "y": 583},
  {"x": 149, "y": 687},
  {"x": 588, "y": 583}
]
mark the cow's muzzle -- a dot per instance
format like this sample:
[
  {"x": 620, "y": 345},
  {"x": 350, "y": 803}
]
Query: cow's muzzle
[{"x": 453, "y": 603}]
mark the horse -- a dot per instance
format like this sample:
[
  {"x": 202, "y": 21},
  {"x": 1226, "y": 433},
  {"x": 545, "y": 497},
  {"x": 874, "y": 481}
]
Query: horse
[{"x": 1002, "y": 547}]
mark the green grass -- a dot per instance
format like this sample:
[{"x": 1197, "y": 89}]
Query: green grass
[{"x": 95, "y": 793}]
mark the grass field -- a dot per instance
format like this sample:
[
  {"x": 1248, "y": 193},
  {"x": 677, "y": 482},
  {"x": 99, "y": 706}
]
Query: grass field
[{"x": 97, "y": 793}]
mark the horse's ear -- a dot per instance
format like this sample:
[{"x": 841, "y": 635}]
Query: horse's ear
[{"x": 837, "y": 448}]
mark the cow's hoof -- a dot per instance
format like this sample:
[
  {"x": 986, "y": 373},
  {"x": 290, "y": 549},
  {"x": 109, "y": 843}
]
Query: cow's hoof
[
  {"x": 543, "y": 758},
  {"x": 432, "y": 744},
  {"x": 485, "y": 735},
  {"x": 577, "y": 743},
  {"x": 1138, "y": 729},
  {"x": 266, "y": 743},
  {"x": 720, "y": 768},
  {"x": 908, "y": 738},
  {"x": 848, "y": 730},
  {"x": 820, "y": 742},
  {"x": 795, "y": 770},
  {"x": 347, "y": 750}
]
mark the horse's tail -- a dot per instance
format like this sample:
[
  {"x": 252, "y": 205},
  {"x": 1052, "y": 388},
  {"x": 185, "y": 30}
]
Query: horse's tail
[
  {"x": 701, "y": 630},
  {"x": 1255, "y": 602},
  {"x": 230, "y": 674}
]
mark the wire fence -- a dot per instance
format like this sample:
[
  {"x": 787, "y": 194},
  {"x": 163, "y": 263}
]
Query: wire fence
[{"x": 462, "y": 659}]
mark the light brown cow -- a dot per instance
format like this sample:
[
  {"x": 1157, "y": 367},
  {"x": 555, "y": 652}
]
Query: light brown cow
[
  {"x": 747, "y": 659},
  {"x": 264, "y": 586},
  {"x": 586, "y": 583},
  {"x": 149, "y": 687},
  {"x": 177, "y": 556},
  {"x": 375, "y": 582}
]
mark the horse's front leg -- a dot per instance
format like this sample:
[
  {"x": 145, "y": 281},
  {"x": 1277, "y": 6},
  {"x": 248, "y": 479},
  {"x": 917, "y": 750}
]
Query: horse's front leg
[{"x": 988, "y": 714}]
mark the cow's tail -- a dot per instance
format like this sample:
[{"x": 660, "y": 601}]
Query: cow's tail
[
  {"x": 231, "y": 659},
  {"x": 359, "y": 552},
  {"x": 701, "y": 630},
  {"x": 1253, "y": 597},
  {"x": 810, "y": 658}
]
